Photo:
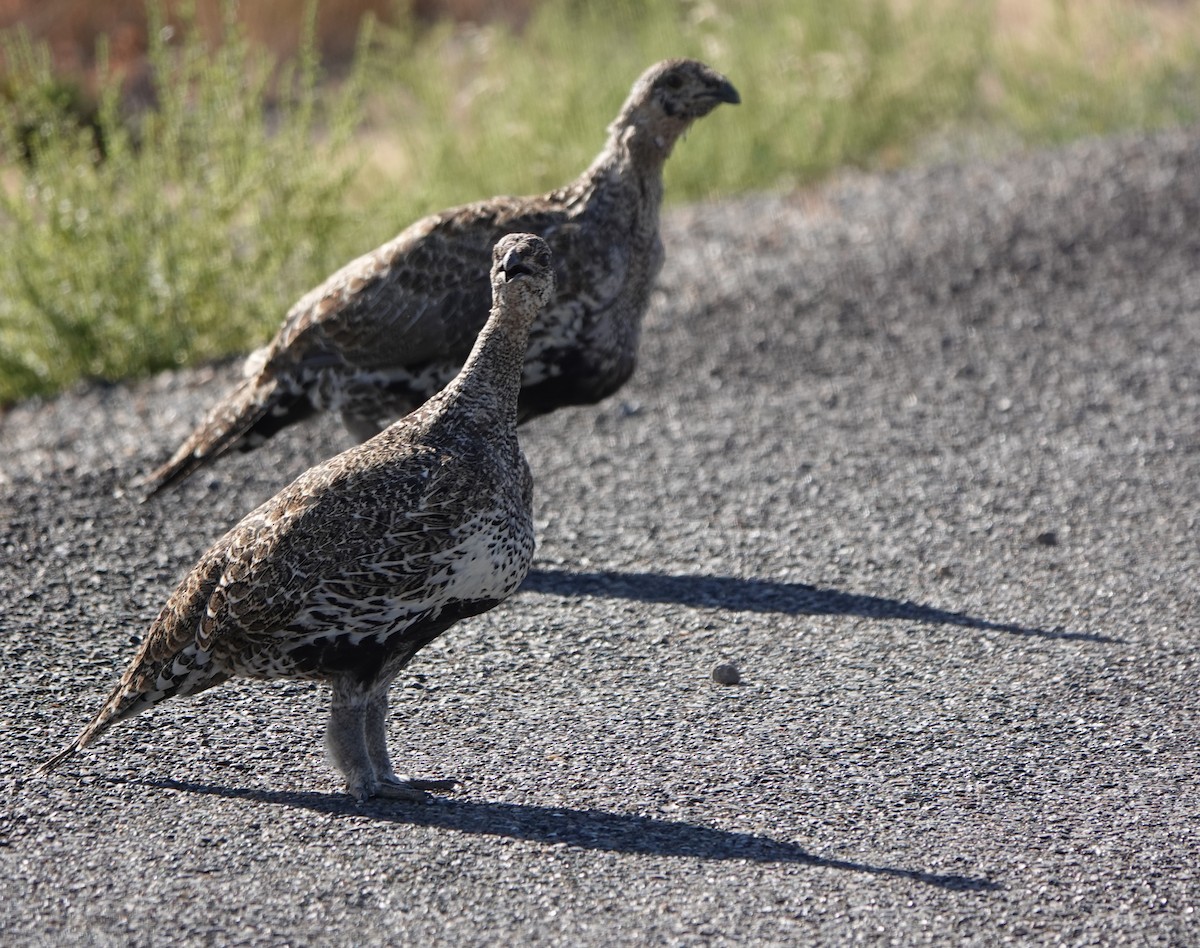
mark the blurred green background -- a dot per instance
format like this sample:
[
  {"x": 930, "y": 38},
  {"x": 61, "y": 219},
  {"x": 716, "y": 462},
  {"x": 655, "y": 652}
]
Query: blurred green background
[{"x": 174, "y": 176}]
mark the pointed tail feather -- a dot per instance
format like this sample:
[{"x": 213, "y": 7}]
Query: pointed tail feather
[
  {"x": 48, "y": 765},
  {"x": 109, "y": 715},
  {"x": 111, "y": 712},
  {"x": 233, "y": 418},
  {"x": 141, "y": 687}
]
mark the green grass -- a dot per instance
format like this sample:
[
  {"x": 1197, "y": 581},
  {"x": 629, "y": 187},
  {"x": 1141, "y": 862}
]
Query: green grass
[
  {"x": 181, "y": 242},
  {"x": 194, "y": 234},
  {"x": 823, "y": 85},
  {"x": 1102, "y": 69}
]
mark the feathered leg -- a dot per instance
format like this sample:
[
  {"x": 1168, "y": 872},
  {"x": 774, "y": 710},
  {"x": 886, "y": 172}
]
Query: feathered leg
[
  {"x": 402, "y": 787},
  {"x": 346, "y": 740}
]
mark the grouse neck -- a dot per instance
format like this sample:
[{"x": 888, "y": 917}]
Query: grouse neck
[
  {"x": 618, "y": 182},
  {"x": 648, "y": 140},
  {"x": 490, "y": 380},
  {"x": 632, "y": 152}
]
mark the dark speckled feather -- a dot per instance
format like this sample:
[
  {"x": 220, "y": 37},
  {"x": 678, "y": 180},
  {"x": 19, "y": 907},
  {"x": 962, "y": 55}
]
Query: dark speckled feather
[
  {"x": 388, "y": 330},
  {"x": 362, "y": 560}
]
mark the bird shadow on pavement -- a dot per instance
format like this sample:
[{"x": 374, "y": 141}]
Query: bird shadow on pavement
[
  {"x": 599, "y": 830},
  {"x": 764, "y": 595}
]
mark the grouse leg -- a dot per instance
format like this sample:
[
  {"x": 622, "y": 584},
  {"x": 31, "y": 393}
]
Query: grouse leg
[
  {"x": 346, "y": 740},
  {"x": 402, "y": 786}
]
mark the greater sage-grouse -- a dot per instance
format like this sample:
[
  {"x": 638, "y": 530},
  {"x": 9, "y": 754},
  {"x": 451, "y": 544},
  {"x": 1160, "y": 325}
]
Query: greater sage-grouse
[
  {"x": 388, "y": 330},
  {"x": 368, "y": 557}
]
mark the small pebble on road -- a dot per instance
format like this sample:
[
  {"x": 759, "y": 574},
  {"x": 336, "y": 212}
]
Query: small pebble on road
[{"x": 726, "y": 673}]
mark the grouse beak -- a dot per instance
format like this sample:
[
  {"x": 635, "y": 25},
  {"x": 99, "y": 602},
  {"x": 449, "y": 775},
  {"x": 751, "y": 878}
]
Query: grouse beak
[
  {"x": 717, "y": 90},
  {"x": 725, "y": 92},
  {"x": 513, "y": 265}
]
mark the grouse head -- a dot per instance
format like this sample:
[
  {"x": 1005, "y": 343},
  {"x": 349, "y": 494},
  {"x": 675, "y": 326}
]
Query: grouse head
[
  {"x": 522, "y": 270},
  {"x": 668, "y": 97}
]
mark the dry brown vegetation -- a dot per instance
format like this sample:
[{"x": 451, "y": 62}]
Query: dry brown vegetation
[{"x": 71, "y": 26}]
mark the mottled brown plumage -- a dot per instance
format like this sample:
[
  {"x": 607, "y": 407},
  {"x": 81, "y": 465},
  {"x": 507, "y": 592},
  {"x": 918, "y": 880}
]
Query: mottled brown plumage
[
  {"x": 387, "y": 331},
  {"x": 364, "y": 559}
]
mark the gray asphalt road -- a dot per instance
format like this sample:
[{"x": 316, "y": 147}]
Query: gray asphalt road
[{"x": 918, "y": 453}]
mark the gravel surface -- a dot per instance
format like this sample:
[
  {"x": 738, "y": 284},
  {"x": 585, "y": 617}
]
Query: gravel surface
[{"x": 918, "y": 454}]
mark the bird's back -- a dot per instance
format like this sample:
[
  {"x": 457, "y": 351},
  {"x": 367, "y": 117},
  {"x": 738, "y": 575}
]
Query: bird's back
[
  {"x": 362, "y": 545},
  {"x": 391, "y": 328}
]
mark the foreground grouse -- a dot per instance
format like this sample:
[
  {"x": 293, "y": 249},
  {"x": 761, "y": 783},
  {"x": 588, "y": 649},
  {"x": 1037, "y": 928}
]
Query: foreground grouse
[
  {"x": 345, "y": 574},
  {"x": 388, "y": 330}
]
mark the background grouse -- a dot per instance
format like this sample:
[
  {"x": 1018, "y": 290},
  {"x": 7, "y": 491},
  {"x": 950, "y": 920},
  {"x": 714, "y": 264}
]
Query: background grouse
[{"x": 388, "y": 330}]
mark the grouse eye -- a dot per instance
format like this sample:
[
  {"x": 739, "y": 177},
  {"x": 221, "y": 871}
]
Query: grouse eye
[{"x": 673, "y": 81}]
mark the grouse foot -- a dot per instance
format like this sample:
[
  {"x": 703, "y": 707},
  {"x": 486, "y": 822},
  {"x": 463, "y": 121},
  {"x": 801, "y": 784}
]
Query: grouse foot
[{"x": 413, "y": 789}]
